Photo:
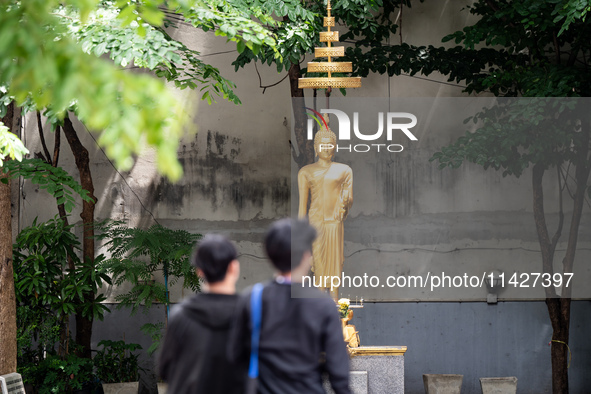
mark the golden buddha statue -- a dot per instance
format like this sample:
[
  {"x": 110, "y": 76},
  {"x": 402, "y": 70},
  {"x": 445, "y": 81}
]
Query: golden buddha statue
[{"x": 330, "y": 187}]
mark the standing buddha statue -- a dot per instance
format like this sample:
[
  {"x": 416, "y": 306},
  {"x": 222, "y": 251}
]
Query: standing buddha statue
[{"x": 327, "y": 187}]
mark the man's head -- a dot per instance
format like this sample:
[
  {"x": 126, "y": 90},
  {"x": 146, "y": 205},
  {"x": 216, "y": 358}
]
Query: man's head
[
  {"x": 213, "y": 256},
  {"x": 287, "y": 242}
]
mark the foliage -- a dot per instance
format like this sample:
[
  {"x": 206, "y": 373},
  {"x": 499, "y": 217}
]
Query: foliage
[
  {"x": 514, "y": 133},
  {"x": 10, "y": 145},
  {"x": 155, "y": 50},
  {"x": 136, "y": 254},
  {"x": 301, "y": 21},
  {"x": 570, "y": 11},
  {"x": 296, "y": 30},
  {"x": 155, "y": 332},
  {"x": 116, "y": 362},
  {"x": 46, "y": 288},
  {"x": 513, "y": 49},
  {"x": 37, "y": 333},
  {"x": 125, "y": 106},
  {"x": 57, "y": 376},
  {"x": 38, "y": 362},
  {"x": 55, "y": 180}
]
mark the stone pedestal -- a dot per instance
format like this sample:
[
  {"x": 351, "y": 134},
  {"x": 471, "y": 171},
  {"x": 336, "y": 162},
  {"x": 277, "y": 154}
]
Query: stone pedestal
[
  {"x": 442, "y": 383},
  {"x": 357, "y": 383},
  {"x": 12, "y": 383},
  {"x": 506, "y": 385},
  {"x": 121, "y": 388},
  {"x": 376, "y": 370}
]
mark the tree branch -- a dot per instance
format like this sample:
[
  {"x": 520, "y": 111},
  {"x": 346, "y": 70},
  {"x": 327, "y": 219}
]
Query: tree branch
[
  {"x": 47, "y": 157},
  {"x": 400, "y": 23},
  {"x": 556, "y": 47},
  {"x": 56, "y": 146},
  {"x": 261, "y": 80},
  {"x": 558, "y": 232},
  {"x": 541, "y": 227},
  {"x": 495, "y": 8},
  {"x": 582, "y": 170}
]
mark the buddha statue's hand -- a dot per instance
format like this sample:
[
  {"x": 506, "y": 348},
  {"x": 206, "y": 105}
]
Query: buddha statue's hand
[
  {"x": 343, "y": 212},
  {"x": 344, "y": 208}
]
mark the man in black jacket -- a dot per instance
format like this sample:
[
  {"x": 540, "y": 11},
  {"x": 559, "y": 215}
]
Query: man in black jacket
[
  {"x": 193, "y": 356},
  {"x": 299, "y": 327}
]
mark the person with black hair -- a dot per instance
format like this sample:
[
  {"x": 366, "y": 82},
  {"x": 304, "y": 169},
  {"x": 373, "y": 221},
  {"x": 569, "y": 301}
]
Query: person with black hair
[
  {"x": 301, "y": 334},
  {"x": 193, "y": 356}
]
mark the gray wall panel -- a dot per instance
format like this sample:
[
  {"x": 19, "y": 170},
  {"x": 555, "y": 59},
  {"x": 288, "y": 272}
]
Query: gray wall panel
[
  {"x": 473, "y": 339},
  {"x": 478, "y": 340}
]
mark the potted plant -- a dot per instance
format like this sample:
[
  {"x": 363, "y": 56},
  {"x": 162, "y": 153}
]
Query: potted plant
[{"x": 117, "y": 367}]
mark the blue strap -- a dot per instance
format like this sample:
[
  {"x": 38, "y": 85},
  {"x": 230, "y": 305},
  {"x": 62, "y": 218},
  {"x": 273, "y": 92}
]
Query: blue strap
[{"x": 256, "y": 310}]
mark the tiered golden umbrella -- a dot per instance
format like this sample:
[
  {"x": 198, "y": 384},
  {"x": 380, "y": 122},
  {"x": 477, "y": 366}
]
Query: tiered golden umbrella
[{"x": 329, "y": 67}]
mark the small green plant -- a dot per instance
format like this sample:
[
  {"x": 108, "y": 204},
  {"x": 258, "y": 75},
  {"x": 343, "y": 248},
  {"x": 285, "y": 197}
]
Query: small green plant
[
  {"x": 48, "y": 290},
  {"x": 154, "y": 331},
  {"x": 54, "y": 375},
  {"x": 137, "y": 255},
  {"x": 116, "y": 362}
]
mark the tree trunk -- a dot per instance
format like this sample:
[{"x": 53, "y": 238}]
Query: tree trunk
[
  {"x": 8, "y": 350},
  {"x": 559, "y": 311},
  {"x": 83, "y": 324},
  {"x": 7, "y": 296},
  {"x": 559, "y": 308},
  {"x": 560, "y": 321},
  {"x": 305, "y": 154}
]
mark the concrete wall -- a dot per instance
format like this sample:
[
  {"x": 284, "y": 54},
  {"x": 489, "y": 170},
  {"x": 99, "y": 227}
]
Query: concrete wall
[
  {"x": 469, "y": 338},
  {"x": 478, "y": 340}
]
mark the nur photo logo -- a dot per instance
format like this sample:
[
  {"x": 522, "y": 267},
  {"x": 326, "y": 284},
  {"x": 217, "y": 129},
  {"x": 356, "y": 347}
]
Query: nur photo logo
[{"x": 395, "y": 122}]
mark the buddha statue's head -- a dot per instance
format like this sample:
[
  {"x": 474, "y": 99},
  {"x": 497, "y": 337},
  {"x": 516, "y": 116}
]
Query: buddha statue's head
[{"x": 325, "y": 141}]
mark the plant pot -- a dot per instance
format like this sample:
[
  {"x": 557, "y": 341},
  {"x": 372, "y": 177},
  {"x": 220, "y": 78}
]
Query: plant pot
[
  {"x": 89, "y": 388},
  {"x": 162, "y": 388},
  {"x": 506, "y": 385},
  {"x": 121, "y": 388},
  {"x": 442, "y": 383}
]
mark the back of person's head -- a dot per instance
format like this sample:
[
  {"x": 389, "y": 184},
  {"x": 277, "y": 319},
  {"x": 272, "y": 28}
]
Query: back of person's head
[
  {"x": 213, "y": 255},
  {"x": 287, "y": 240}
]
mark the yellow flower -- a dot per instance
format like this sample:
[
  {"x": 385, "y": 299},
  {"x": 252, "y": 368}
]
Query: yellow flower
[{"x": 343, "y": 305}]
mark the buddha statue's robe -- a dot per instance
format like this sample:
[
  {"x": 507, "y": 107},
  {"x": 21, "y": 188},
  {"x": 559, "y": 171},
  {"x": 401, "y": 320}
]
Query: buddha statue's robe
[{"x": 331, "y": 195}]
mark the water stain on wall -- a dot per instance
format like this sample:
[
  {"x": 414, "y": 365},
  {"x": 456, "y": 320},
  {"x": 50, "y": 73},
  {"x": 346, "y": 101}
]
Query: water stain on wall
[{"x": 217, "y": 175}]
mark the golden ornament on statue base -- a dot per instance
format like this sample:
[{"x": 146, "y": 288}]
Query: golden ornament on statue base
[{"x": 350, "y": 335}]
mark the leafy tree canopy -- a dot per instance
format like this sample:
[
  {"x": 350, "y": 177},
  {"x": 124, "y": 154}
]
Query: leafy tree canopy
[
  {"x": 300, "y": 21},
  {"x": 528, "y": 48},
  {"x": 50, "y": 59},
  {"x": 10, "y": 145}
]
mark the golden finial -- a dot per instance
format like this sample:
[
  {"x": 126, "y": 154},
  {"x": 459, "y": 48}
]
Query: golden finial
[{"x": 329, "y": 67}]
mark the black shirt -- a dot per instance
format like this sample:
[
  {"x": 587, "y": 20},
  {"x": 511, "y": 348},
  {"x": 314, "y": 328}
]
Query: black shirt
[
  {"x": 193, "y": 356},
  {"x": 296, "y": 333}
]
